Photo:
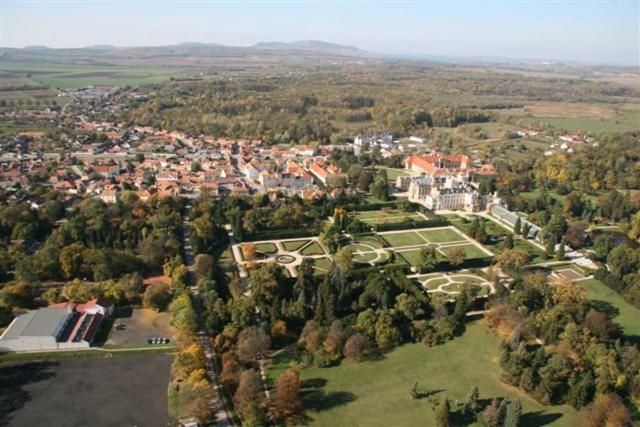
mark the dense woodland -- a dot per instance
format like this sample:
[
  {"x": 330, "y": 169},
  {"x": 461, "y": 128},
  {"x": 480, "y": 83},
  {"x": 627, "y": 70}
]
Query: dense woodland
[{"x": 331, "y": 105}]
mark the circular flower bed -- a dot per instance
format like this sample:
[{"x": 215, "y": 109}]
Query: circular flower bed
[{"x": 285, "y": 259}]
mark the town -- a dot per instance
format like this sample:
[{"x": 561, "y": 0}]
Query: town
[{"x": 249, "y": 232}]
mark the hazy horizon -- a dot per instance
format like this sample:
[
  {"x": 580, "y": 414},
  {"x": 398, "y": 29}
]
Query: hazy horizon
[{"x": 586, "y": 32}]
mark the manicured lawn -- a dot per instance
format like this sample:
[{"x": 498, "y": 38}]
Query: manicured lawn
[
  {"x": 393, "y": 173},
  {"x": 626, "y": 315},
  {"x": 267, "y": 248},
  {"x": 313, "y": 249},
  {"x": 294, "y": 245},
  {"x": 365, "y": 257},
  {"x": 322, "y": 264},
  {"x": 411, "y": 257},
  {"x": 408, "y": 238},
  {"x": 378, "y": 392},
  {"x": 471, "y": 250},
  {"x": 441, "y": 235},
  {"x": 434, "y": 283},
  {"x": 466, "y": 278}
]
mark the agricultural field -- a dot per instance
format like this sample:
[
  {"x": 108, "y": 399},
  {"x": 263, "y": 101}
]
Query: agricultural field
[
  {"x": 76, "y": 76},
  {"x": 627, "y": 121},
  {"x": 377, "y": 392}
]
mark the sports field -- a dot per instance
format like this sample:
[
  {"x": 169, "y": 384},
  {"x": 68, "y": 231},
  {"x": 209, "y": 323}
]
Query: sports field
[{"x": 378, "y": 392}]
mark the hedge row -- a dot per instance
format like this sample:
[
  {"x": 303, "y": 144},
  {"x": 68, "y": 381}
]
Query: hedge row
[
  {"x": 410, "y": 224},
  {"x": 280, "y": 234}
]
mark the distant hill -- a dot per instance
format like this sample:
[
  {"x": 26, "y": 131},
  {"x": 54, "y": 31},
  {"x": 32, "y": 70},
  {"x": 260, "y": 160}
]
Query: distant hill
[{"x": 186, "y": 54}]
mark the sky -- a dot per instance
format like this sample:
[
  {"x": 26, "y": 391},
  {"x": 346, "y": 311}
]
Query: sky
[{"x": 585, "y": 31}]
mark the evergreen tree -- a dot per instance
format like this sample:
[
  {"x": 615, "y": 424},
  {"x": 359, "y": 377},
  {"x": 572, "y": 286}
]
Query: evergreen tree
[
  {"x": 508, "y": 241},
  {"x": 325, "y": 305},
  {"x": 560, "y": 255},
  {"x": 550, "y": 246},
  {"x": 517, "y": 227}
]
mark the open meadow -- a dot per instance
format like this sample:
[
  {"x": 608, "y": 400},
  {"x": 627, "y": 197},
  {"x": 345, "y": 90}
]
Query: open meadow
[{"x": 377, "y": 392}]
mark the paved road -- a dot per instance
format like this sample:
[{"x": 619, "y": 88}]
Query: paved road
[{"x": 222, "y": 417}]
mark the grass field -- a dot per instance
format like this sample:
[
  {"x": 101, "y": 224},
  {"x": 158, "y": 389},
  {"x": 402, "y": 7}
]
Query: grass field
[
  {"x": 267, "y": 248},
  {"x": 313, "y": 249},
  {"x": 391, "y": 216},
  {"x": 408, "y": 238},
  {"x": 472, "y": 251},
  {"x": 443, "y": 235},
  {"x": 294, "y": 245},
  {"x": 393, "y": 173},
  {"x": 628, "y": 121},
  {"x": 626, "y": 315},
  {"x": 76, "y": 76},
  {"x": 378, "y": 392}
]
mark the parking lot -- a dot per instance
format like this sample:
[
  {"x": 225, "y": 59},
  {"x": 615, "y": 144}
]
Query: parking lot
[
  {"x": 139, "y": 324},
  {"x": 117, "y": 391}
]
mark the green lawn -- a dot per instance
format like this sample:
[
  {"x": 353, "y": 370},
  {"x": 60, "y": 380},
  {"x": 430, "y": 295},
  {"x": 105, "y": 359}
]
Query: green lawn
[
  {"x": 441, "y": 235},
  {"x": 471, "y": 250},
  {"x": 626, "y": 315},
  {"x": 378, "y": 392},
  {"x": 393, "y": 173},
  {"x": 313, "y": 249},
  {"x": 294, "y": 245},
  {"x": 408, "y": 238},
  {"x": 434, "y": 283},
  {"x": 322, "y": 265},
  {"x": 267, "y": 248}
]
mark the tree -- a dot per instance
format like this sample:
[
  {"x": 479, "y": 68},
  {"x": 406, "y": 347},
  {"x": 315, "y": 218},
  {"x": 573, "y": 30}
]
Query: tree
[
  {"x": 607, "y": 410},
  {"x": 428, "y": 259},
  {"x": 387, "y": 334},
  {"x": 443, "y": 413},
  {"x": 344, "y": 259},
  {"x": 508, "y": 241},
  {"x": 157, "y": 296},
  {"x": 560, "y": 253},
  {"x": 517, "y": 227},
  {"x": 366, "y": 323},
  {"x": 252, "y": 344},
  {"x": 249, "y": 396},
  {"x": 512, "y": 259},
  {"x": 311, "y": 336},
  {"x": 287, "y": 397},
  {"x": 478, "y": 230},
  {"x": 550, "y": 246},
  {"x": 408, "y": 305},
  {"x": 457, "y": 256},
  {"x": 513, "y": 414},
  {"x": 380, "y": 187},
  {"x": 335, "y": 339},
  {"x": 326, "y": 304},
  {"x": 356, "y": 346},
  {"x": 204, "y": 267},
  {"x": 492, "y": 417},
  {"x": 472, "y": 404}
]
